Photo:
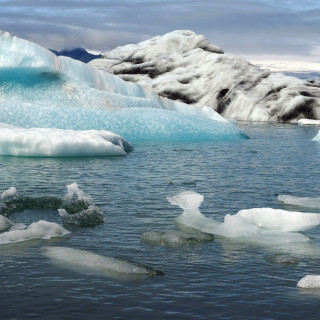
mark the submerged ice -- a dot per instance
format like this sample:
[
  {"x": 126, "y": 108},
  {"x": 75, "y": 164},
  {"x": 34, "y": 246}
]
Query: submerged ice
[
  {"x": 257, "y": 226},
  {"x": 306, "y": 202},
  {"x": 40, "y": 90},
  {"x": 114, "y": 267}
]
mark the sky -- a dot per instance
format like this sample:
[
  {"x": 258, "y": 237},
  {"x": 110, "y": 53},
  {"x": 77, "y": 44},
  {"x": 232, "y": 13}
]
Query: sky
[{"x": 273, "y": 33}]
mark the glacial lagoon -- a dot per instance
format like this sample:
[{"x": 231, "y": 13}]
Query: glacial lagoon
[{"x": 217, "y": 279}]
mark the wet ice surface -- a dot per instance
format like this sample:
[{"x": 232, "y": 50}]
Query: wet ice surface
[{"x": 223, "y": 279}]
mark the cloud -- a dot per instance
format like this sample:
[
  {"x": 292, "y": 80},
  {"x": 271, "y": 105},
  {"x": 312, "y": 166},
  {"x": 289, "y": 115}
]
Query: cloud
[{"x": 245, "y": 27}]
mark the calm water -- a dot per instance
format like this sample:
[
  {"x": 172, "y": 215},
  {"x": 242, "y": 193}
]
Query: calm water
[{"x": 216, "y": 280}]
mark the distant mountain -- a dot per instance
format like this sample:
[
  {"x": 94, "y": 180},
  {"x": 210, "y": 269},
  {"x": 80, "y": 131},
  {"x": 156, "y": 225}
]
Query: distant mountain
[
  {"x": 77, "y": 54},
  {"x": 182, "y": 65}
]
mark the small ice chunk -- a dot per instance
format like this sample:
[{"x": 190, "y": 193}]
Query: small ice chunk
[
  {"x": 317, "y": 137},
  {"x": 5, "y": 223},
  {"x": 277, "y": 219},
  {"x": 37, "y": 230},
  {"x": 300, "y": 201},
  {"x": 308, "y": 122},
  {"x": 80, "y": 211},
  {"x": 113, "y": 267},
  {"x": 187, "y": 200},
  {"x": 309, "y": 282},
  {"x": 18, "y": 226},
  {"x": 174, "y": 238},
  {"x": 8, "y": 194}
]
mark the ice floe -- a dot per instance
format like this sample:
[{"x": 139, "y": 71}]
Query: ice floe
[
  {"x": 58, "y": 142},
  {"x": 277, "y": 219},
  {"x": 5, "y": 223},
  {"x": 80, "y": 211},
  {"x": 306, "y": 202},
  {"x": 234, "y": 226},
  {"x": 309, "y": 282},
  {"x": 308, "y": 122},
  {"x": 113, "y": 267},
  {"x": 40, "y": 90},
  {"x": 184, "y": 66},
  {"x": 37, "y": 230}
]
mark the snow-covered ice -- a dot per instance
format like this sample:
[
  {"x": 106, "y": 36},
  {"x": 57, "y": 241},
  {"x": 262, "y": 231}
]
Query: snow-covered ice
[
  {"x": 184, "y": 66},
  {"x": 58, "y": 142},
  {"x": 114, "y": 267},
  {"x": 37, "y": 230},
  {"x": 306, "y": 202},
  {"x": 234, "y": 226},
  {"x": 40, "y": 90},
  {"x": 80, "y": 211},
  {"x": 309, "y": 282}
]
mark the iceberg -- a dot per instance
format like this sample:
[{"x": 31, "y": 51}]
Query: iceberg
[
  {"x": 37, "y": 230},
  {"x": 40, "y": 90},
  {"x": 80, "y": 211},
  {"x": 58, "y": 142},
  {"x": 309, "y": 282},
  {"x": 185, "y": 66},
  {"x": 300, "y": 201},
  {"x": 234, "y": 226},
  {"x": 113, "y": 267}
]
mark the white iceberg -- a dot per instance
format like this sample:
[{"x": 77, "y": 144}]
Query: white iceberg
[
  {"x": 277, "y": 219},
  {"x": 37, "y": 230},
  {"x": 40, "y": 90},
  {"x": 309, "y": 282},
  {"x": 118, "y": 268},
  {"x": 306, "y": 202},
  {"x": 184, "y": 66},
  {"x": 80, "y": 211},
  {"x": 234, "y": 226},
  {"x": 58, "y": 142}
]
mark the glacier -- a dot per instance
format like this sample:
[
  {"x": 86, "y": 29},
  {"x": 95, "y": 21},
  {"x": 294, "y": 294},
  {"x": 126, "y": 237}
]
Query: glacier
[
  {"x": 185, "y": 66},
  {"x": 264, "y": 229},
  {"x": 40, "y": 90}
]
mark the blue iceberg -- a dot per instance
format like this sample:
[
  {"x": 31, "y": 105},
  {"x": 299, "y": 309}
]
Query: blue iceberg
[{"x": 40, "y": 90}]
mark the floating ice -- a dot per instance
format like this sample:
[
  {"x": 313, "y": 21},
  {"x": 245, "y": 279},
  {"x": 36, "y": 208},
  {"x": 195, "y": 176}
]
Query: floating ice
[
  {"x": 182, "y": 65},
  {"x": 174, "y": 238},
  {"x": 40, "y": 90},
  {"x": 11, "y": 201},
  {"x": 80, "y": 211},
  {"x": 37, "y": 230},
  {"x": 300, "y": 201},
  {"x": 317, "y": 137},
  {"x": 5, "y": 223},
  {"x": 308, "y": 122},
  {"x": 284, "y": 259},
  {"x": 57, "y": 142},
  {"x": 234, "y": 226},
  {"x": 277, "y": 219},
  {"x": 309, "y": 282},
  {"x": 113, "y": 267}
]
